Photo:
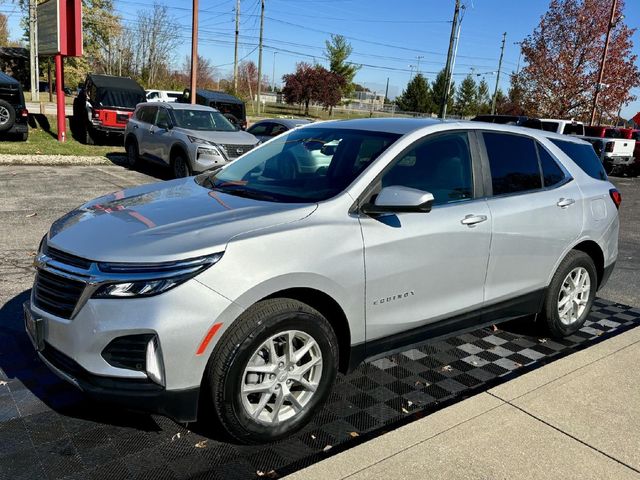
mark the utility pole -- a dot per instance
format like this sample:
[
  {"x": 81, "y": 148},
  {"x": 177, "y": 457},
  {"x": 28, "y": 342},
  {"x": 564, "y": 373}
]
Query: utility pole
[
  {"x": 418, "y": 58},
  {"x": 194, "y": 51},
  {"x": 235, "y": 51},
  {"x": 602, "y": 62},
  {"x": 519, "y": 56},
  {"x": 447, "y": 70},
  {"x": 386, "y": 91},
  {"x": 260, "y": 54},
  {"x": 495, "y": 91},
  {"x": 273, "y": 77},
  {"x": 33, "y": 50},
  {"x": 411, "y": 67},
  {"x": 449, "y": 81}
]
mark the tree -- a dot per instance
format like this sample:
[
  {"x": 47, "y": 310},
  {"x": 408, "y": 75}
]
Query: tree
[
  {"x": 438, "y": 89},
  {"x": 563, "y": 57},
  {"x": 467, "y": 97},
  {"x": 501, "y": 103},
  {"x": 330, "y": 88},
  {"x": 157, "y": 40},
  {"x": 417, "y": 96},
  {"x": 4, "y": 30},
  {"x": 338, "y": 50},
  {"x": 312, "y": 84},
  {"x": 484, "y": 98}
]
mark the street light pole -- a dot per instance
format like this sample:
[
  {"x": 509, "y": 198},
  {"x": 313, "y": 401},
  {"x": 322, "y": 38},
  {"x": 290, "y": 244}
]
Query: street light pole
[
  {"x": 602, "y": 62},
  {"x": 260, "y": 55},
  {"x": 194, "y": 51},
  {"x": 273, "y": 77}
]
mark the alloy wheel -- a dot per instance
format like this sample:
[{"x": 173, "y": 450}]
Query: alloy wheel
[
  {"x": 574, "y": 295},
  {"x": 4, "y": 115},
  {"x": 281, "y": 377}
]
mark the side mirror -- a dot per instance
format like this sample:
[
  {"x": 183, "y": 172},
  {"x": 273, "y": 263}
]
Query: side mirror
[
  {"x": 164, "y": 126},
  {"x": 396, "y": 199}
]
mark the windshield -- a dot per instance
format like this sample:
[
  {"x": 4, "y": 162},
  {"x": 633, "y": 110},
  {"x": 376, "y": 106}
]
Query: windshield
[
  {"x": 306, "y": 165},
  {"x": 202, "y": 120}
]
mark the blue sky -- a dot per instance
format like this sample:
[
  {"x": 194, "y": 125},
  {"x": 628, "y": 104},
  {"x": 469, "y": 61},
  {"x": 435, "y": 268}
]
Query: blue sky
[{"x": 387, "y": 37}]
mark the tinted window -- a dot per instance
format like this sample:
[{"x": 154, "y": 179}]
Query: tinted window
[
  {"x": 440, "y": 165},
  {"x": 202, "y": 120},
  {"x": 163, "y": 117},
  {"x": 551, "y": 172},
  {"x": 514, "y": 163},
  {"x": 573, "y": 129},
  {"x": 613, "y": 133},
  {"x": 550, "y": 126},
  {"x": 259, "y": 128},
  {"x": 584, "y": 156},
  {"x": 147, "y": 114},
  {"x": 278, "y": 129}
]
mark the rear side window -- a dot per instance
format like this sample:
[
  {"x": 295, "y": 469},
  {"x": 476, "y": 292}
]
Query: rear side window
[
  {"x": 550, "y": 126},
  {"x": 573, "y": 129},
  {"x": 584, "y": 156},
  {"x": 514, "y": 163},
  {"x": 552, "y": 174}
]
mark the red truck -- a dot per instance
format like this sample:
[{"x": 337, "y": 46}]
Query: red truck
[{"x": 103, "y": 107}]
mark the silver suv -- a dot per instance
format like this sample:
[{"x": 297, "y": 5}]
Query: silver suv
[
  {"x": 188, "y": 138},
  {"x": 242, "y": 292}
]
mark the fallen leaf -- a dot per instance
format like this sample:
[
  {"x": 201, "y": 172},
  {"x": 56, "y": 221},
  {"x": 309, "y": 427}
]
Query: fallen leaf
[
  {"x": 31, "y": 215},
  {"x": 418, "y": 382},
  {"x": 409, "y": 402},
  {"x": 272, "y": 474},
  {"x": 404, "y": 410},
  {"x": 202, "y": 444},
  {"x": 327, "y": 448},
  {"x": 313, "y": 437},
  {"x": 175, "y": 437},
  {"x": 260, "y": 473},
  {"x": 447, "y": 368},
  {"x": 354, "y": 434},
  {"x": 494, "y": 328},
  {"x": 2, "y": 383},
  {"x": 542, "y": 340},
  {"x": 518, "y": 364}
]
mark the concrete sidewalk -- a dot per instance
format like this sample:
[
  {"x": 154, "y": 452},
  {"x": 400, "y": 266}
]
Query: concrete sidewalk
[{"x": 578, "y": 417}]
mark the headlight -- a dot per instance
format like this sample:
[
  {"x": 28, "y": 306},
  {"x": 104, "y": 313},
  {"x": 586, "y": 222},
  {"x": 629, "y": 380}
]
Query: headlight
[
  {"x": 147, "y": 279},
  {"x": 201, "y": 141}
]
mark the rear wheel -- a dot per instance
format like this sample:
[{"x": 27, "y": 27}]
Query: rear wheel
[
  {"x": 132, "y": 153},
  {"x": 88, "y": 136},
  {"x": 7, "y": 115},
  {"x": 571, "y": 294},
  {"x": 272, "y": 370}
]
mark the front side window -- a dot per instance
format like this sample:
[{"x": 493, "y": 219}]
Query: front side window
[
  {"x": 440, "y": 165},
  {"x": 202, "y": 120},
  {"x": 301, "y": 166},
  {"x": 147, "y": 114},
  {"x": 163, "y": 117},
  {"x": 513, "y": 162}
]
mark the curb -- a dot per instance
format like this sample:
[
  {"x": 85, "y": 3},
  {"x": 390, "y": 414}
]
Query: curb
[{"x": 57, "y": 160}]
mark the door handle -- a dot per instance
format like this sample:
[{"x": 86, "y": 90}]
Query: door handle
[
  {"x": 135, "y": 127},
  {"x": 473, "y": 220},
  {"x": 565, "y": 202}
]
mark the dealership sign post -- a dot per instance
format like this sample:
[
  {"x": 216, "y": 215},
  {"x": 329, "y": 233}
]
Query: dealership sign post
[{"x": 60, "y": 35}]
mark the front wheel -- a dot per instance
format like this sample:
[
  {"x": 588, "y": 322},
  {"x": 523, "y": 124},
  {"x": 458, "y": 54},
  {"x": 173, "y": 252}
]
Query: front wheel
[
  {"x": 571, "y": 294},
  {"x": 272, "y": 370},
  {"x": 181, "y": 167}
]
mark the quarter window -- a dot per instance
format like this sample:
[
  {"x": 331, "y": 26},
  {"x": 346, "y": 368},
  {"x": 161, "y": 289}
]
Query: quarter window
[
  {"x": 552, "y": 174},
  {"x": 513, "y": 162},
  {"x": 440, "y": 165}
]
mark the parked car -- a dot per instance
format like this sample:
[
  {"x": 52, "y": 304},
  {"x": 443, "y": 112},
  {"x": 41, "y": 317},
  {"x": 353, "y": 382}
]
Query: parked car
[
  {"x": 266, "y": 129},
  {"x": 243, "y": 291},
  {"x": 519, "y": 120},
  {"x": 564, "y": 127},
  {"x": 103, "y": 107},
  {"x": 163, "y": 95},
  {"x": 13, "y": 110},
  {"x": 633, "y": 134},
  {"x": 231, "y": 107},
  {"x": 614, "y": 148},
  {"x": 188, "y": 138}
]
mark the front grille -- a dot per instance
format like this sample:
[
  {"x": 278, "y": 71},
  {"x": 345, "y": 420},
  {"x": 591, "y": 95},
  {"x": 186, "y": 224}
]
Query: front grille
[
  {"x": 128, "y": 352},
  {"x": 234, "y": 151},
  {"x": 66, "y": 258},
  {"x": 55, "y": 294}
]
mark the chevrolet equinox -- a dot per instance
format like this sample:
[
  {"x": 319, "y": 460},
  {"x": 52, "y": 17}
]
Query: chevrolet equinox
[{"x": 243, "y": 291}]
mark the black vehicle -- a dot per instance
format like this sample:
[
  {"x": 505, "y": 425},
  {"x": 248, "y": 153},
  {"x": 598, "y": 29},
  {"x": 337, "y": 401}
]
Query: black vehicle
[
  {"x": 231, "y": 107},
  {"x": 13, "y": 110},
  {"x": 104, "y": 106},
  {"x": 519, "y": 120}
]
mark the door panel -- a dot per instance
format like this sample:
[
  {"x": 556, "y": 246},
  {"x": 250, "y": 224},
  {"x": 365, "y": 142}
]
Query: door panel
[
  {"x": 146, "y": 124},
  {"x": 160, "y": 139},
  {"x": 421, "y": 267}
]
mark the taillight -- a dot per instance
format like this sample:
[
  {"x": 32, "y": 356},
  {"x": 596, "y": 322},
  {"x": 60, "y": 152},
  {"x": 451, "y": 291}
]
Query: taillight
[
  {"x": 24, "y": 112},
  {"x": 609, "y": 147},
  {"x": 616, "y": 197},
  {"x": 96, "y": 114}
]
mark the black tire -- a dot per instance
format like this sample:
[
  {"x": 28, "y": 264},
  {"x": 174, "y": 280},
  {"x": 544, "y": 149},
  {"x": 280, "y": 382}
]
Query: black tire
[
  {"x": 180, "y": 166},
  {"x": 132, "y": 153},
  {"x": 88, "y": 136},
  {"x": 7, "y": 116},
  {"x": 574, "y": 259},
  {"x": 226, "y": 369}
]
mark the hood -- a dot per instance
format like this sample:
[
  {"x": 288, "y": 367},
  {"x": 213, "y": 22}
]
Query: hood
[
  {"x": 233, "y": 138},
  {"x": 165, "y": 221}
]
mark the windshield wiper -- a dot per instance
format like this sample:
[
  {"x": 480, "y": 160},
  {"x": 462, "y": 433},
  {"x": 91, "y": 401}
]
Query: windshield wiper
[{"x": 245, "y": 192}]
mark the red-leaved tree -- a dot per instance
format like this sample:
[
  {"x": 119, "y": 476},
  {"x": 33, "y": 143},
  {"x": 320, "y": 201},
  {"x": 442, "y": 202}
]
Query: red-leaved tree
[
  {"x": 563, "y": 58},
  {"x": 312, "y": 84}
]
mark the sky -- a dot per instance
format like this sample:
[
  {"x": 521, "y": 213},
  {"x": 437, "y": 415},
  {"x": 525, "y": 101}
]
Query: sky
[{"x": 390, "y": 39}]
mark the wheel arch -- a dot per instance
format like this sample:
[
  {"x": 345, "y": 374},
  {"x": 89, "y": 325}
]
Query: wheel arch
[
  {"x": 130, "y": 138},
  {"x": 594, "y": 251},
  {"x": 331, "y": 310},
  {"x": 176, "y": 149}
]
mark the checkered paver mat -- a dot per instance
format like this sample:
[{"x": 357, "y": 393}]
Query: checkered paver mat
[{"x": 48, "y": 430}]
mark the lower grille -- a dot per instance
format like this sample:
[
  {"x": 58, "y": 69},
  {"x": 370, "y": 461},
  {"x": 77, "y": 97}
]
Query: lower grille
[
  {"x": 128, "y": 352},
  {"x": 234, "y": 151},
  {"x": 55, "y": 294}
]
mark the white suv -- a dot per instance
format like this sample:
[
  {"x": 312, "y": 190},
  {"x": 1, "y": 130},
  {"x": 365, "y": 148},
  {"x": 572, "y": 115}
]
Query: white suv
[{"x": 242, "y": 292}]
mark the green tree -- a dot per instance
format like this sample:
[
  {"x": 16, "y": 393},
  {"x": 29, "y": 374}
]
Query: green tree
[
  {"x": 484, "y": 98},
  {"x": 338, "y": 50},
  {"x": 438, "y": 89},
  {"x": 502, "y": 102},
  {"x": 467, "y": 97},
  {"x": 417, "y": 97}
]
